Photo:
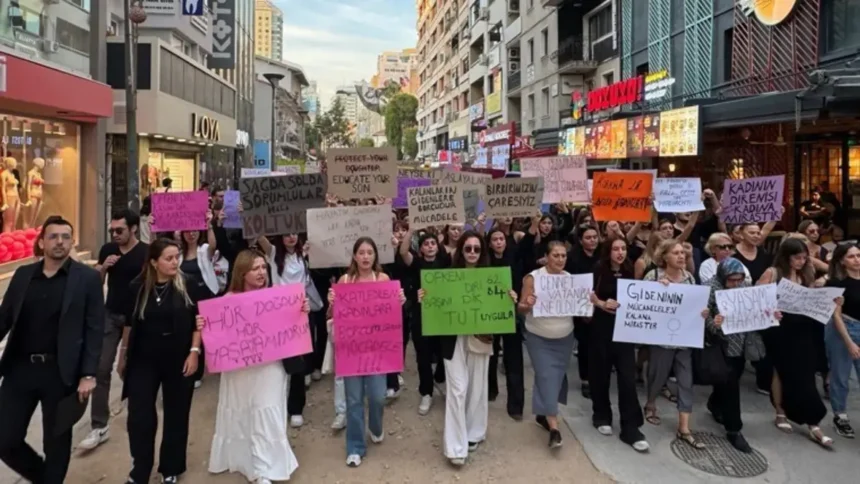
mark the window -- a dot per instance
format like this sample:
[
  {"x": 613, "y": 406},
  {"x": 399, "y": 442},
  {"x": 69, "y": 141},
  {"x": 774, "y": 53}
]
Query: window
[
  {"x": 116, "y": 66},
  {"x": 545, "y": 42},
  {"x": 608, "y": 78},
  {"x": 531, "y": 106},
  {"x": 600, "y": 24},
  {"x": 840, "y": 24},
  {"x": 728, "y": 45},
  {"x": 531, "y": 48},
  {"x": 544, "y": 97},
  {"x": 30, "y": 21},
  {"x": 84, "y": 4}
]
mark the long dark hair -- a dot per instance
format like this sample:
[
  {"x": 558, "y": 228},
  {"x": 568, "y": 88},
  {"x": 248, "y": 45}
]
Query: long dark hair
[
  {"x": 352, "y": 270},
  {"x": 281, "y": 250},
  {"x": 604, "y": 264},
  {"x": 782, "y": 262},
  {"x": 837, "y": 272},
  {"x": 459, "y": 262},
  {"x": 183, "y": 245}
]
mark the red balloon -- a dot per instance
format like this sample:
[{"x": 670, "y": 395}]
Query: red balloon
[
  {"x": 31, "y": 233},
  {"x": 3, "y": 249},
  {"x": 6, "y": 257},
  {"x": 16, "y": 246}
]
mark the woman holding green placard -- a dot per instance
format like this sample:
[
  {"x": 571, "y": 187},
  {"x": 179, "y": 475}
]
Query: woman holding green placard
[{"x": 467, "y": 359}]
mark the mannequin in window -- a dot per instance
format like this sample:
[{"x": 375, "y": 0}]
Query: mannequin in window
[
  {"x": 9, "y": 187},
  {"x": 34, "y": 191}
]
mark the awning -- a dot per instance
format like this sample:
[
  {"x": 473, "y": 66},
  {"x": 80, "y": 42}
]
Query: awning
[{"x": 37, "y": 89}]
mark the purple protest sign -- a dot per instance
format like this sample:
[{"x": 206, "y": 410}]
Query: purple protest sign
[
  {"x": 403, "y": 186},
  {"x": 753, "y": 200},
  {"x": 232, "y": 217},
  {"x": 180, "y": 211}
]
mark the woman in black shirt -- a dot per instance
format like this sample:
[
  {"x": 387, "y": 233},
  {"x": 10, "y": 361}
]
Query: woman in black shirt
[{"x": 582, "y": 259}]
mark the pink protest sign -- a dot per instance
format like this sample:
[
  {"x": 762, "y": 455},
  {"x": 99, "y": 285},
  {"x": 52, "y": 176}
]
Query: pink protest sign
[
  {"x": 255, "y": 327},
  {"x": 368, "y": 329},
  {"x": 180, "y": 211}
]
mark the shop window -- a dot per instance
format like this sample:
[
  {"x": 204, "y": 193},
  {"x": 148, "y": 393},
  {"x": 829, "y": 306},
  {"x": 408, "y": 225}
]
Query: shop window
[
  {"x": 72, "y": 36},
  {"x": 822, "y": 164},
  {"x": 840, "y": 24},
  {"x": 41, "y": 170}
]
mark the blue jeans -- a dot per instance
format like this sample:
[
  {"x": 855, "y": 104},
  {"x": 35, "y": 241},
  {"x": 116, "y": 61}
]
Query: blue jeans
[
  {"x": 357, "y": 388},
  {"x": 840, "y": 362}
]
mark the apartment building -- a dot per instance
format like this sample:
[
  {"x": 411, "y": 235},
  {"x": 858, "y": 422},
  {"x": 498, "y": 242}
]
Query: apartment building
[
  {"x": 268, "y": 30},
  {"x": 290, "y": 117},
  {"x": 557, "y": 48},
  {"x": 396, "y": 66},
  {"x": 311, "y": 100}
]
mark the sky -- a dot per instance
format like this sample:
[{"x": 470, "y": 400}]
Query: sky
[{"x": 337, "y": 41}]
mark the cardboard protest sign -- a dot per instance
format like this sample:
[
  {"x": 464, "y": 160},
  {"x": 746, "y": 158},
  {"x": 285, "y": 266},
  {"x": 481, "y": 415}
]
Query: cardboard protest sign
[
  {"x": 275, "y": 205},
  {"x": 622, "y": 197},
  {"x": 565, "y": 178},
  {"x": 180, "y": 211},
  {"x": 465, "y": 178},
  {"x": 403, "y": 186},
  {"x": 415, "y": 172},
  {"x": 362, "y": 172},
  {"x": 255, "y": 327},
  {"x": 474, "y": 207},
  {"x": 817, "y": 303},
  {"x": 436, "y": 205},
  {"x": 232, "y": 217},
  {"x": 368, "y": 328},
  {"x": 747, "y": 308},
  {"x": 653, "y": 314},
  {"x": 653, "y": 172},
  {"x": 678, "y": 195},
  {"x": 752, "y": 200},
  {"x": 333, "y": 231},
  {"x": 467, "y": 301},
  {"x": 558, "y": 295},
  {"x": 513, "y": 197}
]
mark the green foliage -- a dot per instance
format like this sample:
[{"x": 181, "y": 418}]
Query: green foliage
[
  {"x": 410, "y": 142},
  {"x": 333, "y": 127},
  {"x": 365, "y": 143},
  {"x": 399, "y": 115}
]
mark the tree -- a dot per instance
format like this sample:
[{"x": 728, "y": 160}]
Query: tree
[
  {"x": 365, "y": 143},
  {"x": 333, "y": 127},
  {"x": 391, "y": 89},
  {"x": 399, "y": 115},
  {"x": 410, "y": 142},
  {"x": 312, "y": 136}
]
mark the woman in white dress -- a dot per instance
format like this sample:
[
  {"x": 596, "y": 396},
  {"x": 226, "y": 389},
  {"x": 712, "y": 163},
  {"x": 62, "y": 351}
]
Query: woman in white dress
[{"x": 251, "y": 422}]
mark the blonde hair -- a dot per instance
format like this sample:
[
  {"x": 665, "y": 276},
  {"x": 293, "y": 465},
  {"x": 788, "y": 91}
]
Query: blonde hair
[
  {"x": 243, "y": 264},
  {"x": 661, "y": 251},
  {"x": 654, "y": 241},
  {"x": 150, "y": 276},
  {"x": 715, "y": 239}
]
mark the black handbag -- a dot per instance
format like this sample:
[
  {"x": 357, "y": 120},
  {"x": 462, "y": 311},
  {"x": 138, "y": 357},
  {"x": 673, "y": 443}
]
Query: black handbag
[{"x": 709, "y": 365}]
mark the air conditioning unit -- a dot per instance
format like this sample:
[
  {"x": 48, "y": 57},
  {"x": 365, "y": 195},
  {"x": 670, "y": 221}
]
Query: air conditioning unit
[
  {"x": 483, "y": 59},
  {"x": 513, "y": 6},
  {"x": 513, "y": 66},
  {"x": 514, "y": 53},
  {"x": 50, "y": 46},
  {"x": 484, "y": 13}
]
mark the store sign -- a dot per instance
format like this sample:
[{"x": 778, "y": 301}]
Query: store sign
[
  {"x": 458, "y": 144},
  {"x": 494, "y": 103},
  {"x": 768, "y": 12},
  {"x": 679, "y": 132},
  {"x": 262, "y": 155},
  {"x": 615, "y": 95},
  {"x": 192, "y": 7},
  {"x": 499, "y": 134},
  {"x": 204, "y": 127},
  {"x": 476, "y": 111},
  {"x": 658, "y": 85},
  {"x": 161, "y": 7},
  {"x": 243, "y": 139},
  {"x": 223, "y": 35}
]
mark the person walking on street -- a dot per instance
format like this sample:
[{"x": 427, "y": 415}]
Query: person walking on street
[
  {"x": 53, "y": 312},
  {"x": 120, "y": 261}
]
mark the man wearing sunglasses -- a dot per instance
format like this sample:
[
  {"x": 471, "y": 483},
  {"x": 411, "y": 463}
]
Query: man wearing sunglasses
[{"x": 120, "y": 261}]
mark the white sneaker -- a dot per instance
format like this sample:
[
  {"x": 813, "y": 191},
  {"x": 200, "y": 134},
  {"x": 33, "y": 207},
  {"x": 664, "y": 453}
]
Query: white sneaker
[
  {"x": 391, "y": 394},
  {"x": 457, "y": 461},
  {"x": 400, "y": 381},
  {"x": 95, "y": 438},
  {"x": 316, "y": 375},
  {"x": 353, "y": 460},
  {"x": 198, "y": 384},
  {"x": 296, "y": 421},
  {"x": 424, "y": 406},
  {"x": 377, "y": 440},
  {"x": 263, "y": 480},
  {"x": 641, "y": 446},
  {"x": 339, "y": 422},
  {"x": 605, "y": 430},
  {"x": 307, "y": 381}
]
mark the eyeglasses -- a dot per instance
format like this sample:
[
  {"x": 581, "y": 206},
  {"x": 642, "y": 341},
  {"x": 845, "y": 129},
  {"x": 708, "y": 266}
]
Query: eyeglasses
[
  {"x": 726, "y": 247},
  {"x": 472, "y": 249},
  {"x": 117, "y": 231}
]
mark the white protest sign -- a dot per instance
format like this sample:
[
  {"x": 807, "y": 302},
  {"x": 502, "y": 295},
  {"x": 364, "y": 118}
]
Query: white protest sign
[
  {"x": 817, "y": 304},
  {"x": 559, "y": 295},
  {"x": 653, "y": 314},
  {"x": 747, "y": 308},
  {"x": 333, "y": 231},
  {"x": 258, "y": 172},
  {"x": 678, "y": 195}
]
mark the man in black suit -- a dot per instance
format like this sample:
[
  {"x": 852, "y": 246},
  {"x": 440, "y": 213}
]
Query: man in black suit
[{"x": 53, "y": 312}]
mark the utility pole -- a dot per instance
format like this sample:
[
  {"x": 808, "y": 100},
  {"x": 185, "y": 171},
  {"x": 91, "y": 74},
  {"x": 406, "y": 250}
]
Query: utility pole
[{"x": 131, "y": 101}]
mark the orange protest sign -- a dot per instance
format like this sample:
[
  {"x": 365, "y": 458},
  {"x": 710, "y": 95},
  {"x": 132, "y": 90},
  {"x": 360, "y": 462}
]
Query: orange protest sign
[{"x": 623, "y": 197}]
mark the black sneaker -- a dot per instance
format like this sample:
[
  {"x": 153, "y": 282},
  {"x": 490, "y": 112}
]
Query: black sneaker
[
  {"x": 473, "y": 446},
  {"x": 586, "y": 391},
  {"x": 541, "y": 420},
  {"x": 739, "y": 442},
  {"x": 554, "y": 439},
  {"x": 718, "y": 417},
  {"x": 843, "y": 427}
]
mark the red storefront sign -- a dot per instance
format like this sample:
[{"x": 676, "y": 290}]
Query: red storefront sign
[
  {"x": 503, "y": 134},
  {"x": 37, "y": 89},
  {"x": 618, "y": 94}
]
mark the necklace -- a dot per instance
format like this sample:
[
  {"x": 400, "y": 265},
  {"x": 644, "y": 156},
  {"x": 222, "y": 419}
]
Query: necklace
[{"x": 159, "y": 294}]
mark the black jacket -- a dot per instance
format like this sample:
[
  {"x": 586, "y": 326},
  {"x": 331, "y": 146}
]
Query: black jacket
[{"x": 82, "y": 320}]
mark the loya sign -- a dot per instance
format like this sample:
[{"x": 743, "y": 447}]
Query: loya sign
[
  {"x": 618, "y": 94},
  {"x": 204, "y": 127}
]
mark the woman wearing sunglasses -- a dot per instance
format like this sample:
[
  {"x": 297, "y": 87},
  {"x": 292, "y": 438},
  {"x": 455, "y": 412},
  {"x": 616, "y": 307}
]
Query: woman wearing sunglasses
[
  {"x": 720, "y": 247},
  {"x": 467, "y": 359}
]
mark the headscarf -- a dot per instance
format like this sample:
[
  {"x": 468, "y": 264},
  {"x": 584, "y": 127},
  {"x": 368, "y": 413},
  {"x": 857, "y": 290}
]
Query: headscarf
[
  {"x": 727, "y": 268},
  {"x": 749, "y": 345}
]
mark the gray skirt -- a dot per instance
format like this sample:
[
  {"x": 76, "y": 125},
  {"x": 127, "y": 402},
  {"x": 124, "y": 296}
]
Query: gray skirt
[{"x": 550, "y": 360}]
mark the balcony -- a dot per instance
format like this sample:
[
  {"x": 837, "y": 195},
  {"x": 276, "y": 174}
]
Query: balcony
[
  {"x": 478, "y": 71},
  {"x": 494, "y": 57},
  {"x": 551, "y": 3},
  {"x": 572, "y": 57},
  {"x": 513, "y": 30},
  {"x": 514, "y": 82},
  {"x": 603, "y": 50}
]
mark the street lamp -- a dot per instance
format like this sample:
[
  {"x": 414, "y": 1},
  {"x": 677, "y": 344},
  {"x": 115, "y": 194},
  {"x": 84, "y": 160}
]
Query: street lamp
[
  {"x": 134, "y": 15},
  {"x": 274, "y": 78}
]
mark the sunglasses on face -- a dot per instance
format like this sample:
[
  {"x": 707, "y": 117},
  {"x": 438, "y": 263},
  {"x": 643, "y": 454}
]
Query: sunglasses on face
[
  {"x": 726, "y": 247},
  {"x": 472, "y": 249},
  {"x": 117, "y": 231}
]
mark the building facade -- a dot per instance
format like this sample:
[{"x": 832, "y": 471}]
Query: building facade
[
  {"x": 268, "y": 30},
  {"x": 311, "y": 100},
  {"x": 53, "y": 142},
  {"x": 290, "y": 116},
  {"x": 399, "y": 67}
]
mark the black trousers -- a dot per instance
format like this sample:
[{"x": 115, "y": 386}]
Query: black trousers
[
  {"x": 725, "y": 399},
  {"x": 319, "y": 336},
  {"x": 392, "y": 380},
  {"x": 582, "y": 333},
  {"x": 297, "y": 395},
  {"x": 604, "y": 354},
  {"x": 25, "y": 386},
  {"x": 512, "y": 357},
  {"x": 427, "y": 351},
  {"x": 158, "y": 364}
]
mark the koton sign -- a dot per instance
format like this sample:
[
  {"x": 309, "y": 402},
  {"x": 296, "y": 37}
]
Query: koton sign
[{"x": 618, "y": 94}]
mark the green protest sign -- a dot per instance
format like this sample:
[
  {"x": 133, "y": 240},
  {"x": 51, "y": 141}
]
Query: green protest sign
[{"x": 467, "y": 301}]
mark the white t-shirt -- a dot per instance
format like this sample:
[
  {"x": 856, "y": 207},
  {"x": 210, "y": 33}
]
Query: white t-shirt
[{"x": 708, "y": 270}]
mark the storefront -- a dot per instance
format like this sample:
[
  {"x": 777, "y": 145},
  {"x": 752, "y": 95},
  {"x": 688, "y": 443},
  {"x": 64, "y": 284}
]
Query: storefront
[
  {"x": 50, "y": 151},
  {"x": 493, "y": 149}
]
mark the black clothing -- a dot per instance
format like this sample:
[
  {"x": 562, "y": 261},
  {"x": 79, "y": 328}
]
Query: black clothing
[
  {"x": 725, "y": 401},
  {"x": 296, "y": 395},
  {"x": 756, "y": 266},
  {"x": 794, "y": 351},
  {"x": 851, "y": 306},
  {"x": 811, "y": 206},
  {"x": 119, "y": 276},
  {"x": 190, "y": 267},
  {"x": 158, "y": 315},
  {"x": 427, "y": 348},
  {"x": 40, "y": 314},
  {"x": 511, "y": 346}
]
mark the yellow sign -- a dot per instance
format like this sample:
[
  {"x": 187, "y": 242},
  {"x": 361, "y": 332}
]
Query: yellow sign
[
  {"x": 679, "y": 132},
  {"x": 494, "y": 103},
  {"x": 769, "y": 12}
]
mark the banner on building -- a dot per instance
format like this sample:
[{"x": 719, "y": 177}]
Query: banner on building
[{"x": 223, "y": 35}]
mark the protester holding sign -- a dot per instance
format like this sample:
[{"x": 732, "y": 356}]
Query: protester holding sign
[
  {"x": 467, "y": 359},
  {"x": 160, "y": 351},
  {"x": 582, "y": 259},
  {"x": 725, "y": 401},
  {"x": 842, "y": 336},
  {"x": 793, "y": 348},
  {"x": 549, "y": 341},
  {"x": 606, "y": 354},
  {"x": 671, "y": 261},
  {"x": 363, "y": 268}
]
